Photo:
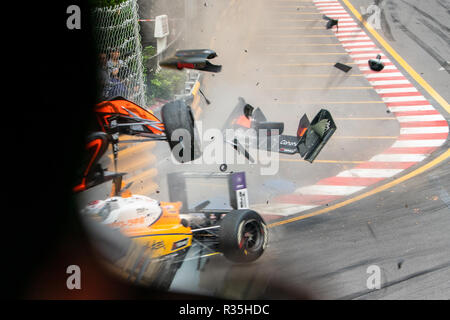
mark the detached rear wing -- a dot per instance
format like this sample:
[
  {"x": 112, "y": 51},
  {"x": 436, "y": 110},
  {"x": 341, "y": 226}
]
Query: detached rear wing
[{"x": 316, "y": 136}]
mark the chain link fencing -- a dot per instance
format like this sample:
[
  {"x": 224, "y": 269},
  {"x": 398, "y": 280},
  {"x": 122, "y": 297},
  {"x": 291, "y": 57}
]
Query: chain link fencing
[{"x": 116, "y": 31}]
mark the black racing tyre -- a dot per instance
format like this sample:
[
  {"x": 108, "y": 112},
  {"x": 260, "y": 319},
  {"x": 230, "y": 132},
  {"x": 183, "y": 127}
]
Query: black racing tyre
[
  {"x": 180, "y": 131},
  {"x": 243, "y": 236}
]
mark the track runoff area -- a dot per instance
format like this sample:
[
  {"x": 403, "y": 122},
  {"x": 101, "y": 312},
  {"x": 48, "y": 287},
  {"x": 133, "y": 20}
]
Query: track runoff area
[{"x": 422, "y": 128}]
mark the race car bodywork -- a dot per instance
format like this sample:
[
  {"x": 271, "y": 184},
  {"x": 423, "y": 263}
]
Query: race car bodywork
[
  {"x": 251, "y": 126},
  {"x": 156, "y": 225},
  {"x": 130, "y": 118},
  {"x": 192, "y": 59},
  {"x": 166, "y": 231},
  {"x": 119, "y": 116}
]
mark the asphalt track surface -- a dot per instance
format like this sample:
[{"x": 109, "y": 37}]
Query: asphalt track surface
[{"x": 283, "y": 63}]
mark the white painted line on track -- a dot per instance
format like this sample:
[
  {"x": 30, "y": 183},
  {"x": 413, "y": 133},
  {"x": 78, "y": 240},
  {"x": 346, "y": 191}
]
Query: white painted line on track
[
  {"x": 362, "y": 43},
  {"x": 353, "y": 39},
  {"x": 403, "y": 99},
  {"x": 418, "y": 143},
  {"x": 347, "y": 23},
  {"x": 365, "y": 55},
  {"x": 330, "y": 7},
  {"x": 329, "y": 190},
  {"x": 384, "y": 75},
  {"x": 283, "y": 209},
  {"x": 365, "y": 62},
  {"x": 383, "y": 82},
  {"x": 349, "y": 29},
  {"x": 391, "y": 157},
  {"x": 424, "y": 130},
  {"x": 385, "y": 68},
  {"x": 355, "y": 33},
  {"x": 369, "y": 173},
  {"x": 411, "y": 108},
  {"x": 334, "y": 11},
  {"x": 394, "y": 90},
  {"x": 425, "y": 118}
]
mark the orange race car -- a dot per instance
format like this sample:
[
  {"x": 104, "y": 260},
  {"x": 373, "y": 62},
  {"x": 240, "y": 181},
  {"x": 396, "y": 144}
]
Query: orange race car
[
  {"x": 120, "y": 116},
  {"x": 167, "y": 231}
]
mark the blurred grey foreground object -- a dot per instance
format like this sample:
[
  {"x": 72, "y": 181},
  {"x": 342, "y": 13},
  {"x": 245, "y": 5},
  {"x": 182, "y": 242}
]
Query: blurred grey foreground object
[
  {"x": 111, "y": 243},
  {"x": 127, "y": 258}
]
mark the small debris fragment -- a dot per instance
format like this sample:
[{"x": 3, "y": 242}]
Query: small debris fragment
[
  {"x": 371, "y": 230},
  {"x": 399, "y": 263},
  {"x": 342, "y": 67},
  {"x": 376, "y": 64},
  {"x": 223, "y": 167},
  {"x": 206, "y": 99},
  {"x": 248, "y": 110},
  {"x": 331, "y": 23}
]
